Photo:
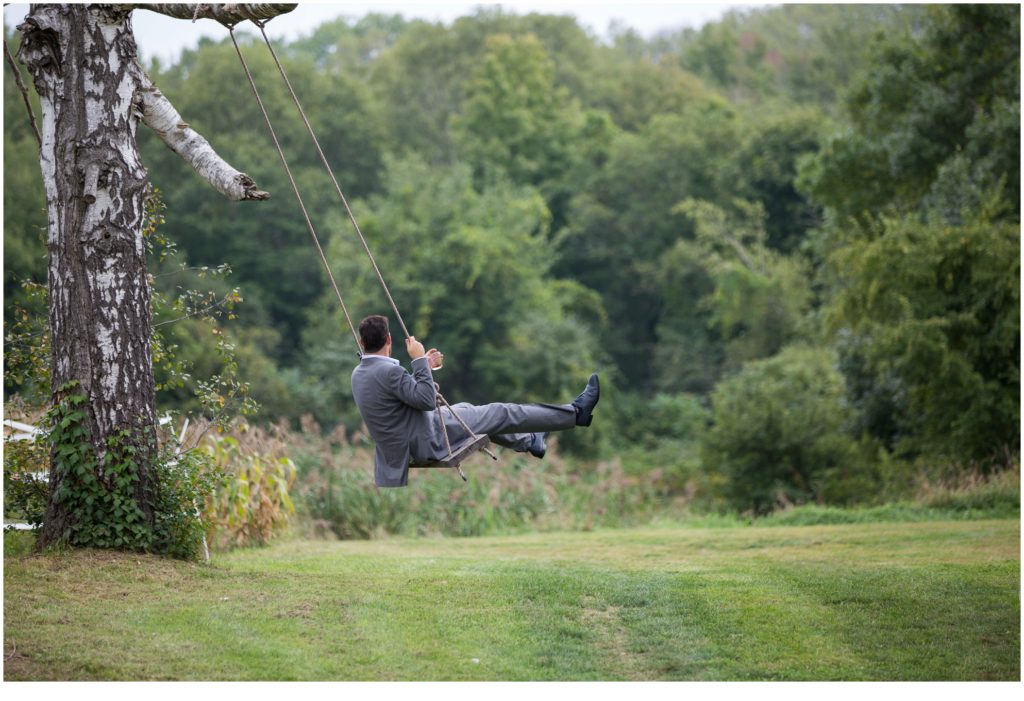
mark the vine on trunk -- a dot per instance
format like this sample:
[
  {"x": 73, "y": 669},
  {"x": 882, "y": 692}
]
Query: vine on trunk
[{"x": 99, "y": 492}]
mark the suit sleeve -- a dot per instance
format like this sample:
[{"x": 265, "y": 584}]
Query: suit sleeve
[{"x": 416, "y": 389}]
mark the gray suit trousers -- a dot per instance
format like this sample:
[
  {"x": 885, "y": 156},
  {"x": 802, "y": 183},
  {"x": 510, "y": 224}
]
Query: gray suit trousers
[{"x": 510, "y": 425}]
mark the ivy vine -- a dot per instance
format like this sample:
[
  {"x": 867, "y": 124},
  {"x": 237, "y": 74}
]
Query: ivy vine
[{"x": 100, "y": 494}]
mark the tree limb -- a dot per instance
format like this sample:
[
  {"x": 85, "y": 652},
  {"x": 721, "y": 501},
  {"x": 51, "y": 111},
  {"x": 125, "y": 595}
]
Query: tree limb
[
  {"x": 741, "y": 252},
  {"x": 159, "y": 115},
  {"x": 24, "y": 93},
  {"x": 231, "y": 13}
]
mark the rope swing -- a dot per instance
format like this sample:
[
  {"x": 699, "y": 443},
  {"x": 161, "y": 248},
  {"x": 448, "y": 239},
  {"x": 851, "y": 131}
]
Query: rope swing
[{"x": 475, "y": 441}]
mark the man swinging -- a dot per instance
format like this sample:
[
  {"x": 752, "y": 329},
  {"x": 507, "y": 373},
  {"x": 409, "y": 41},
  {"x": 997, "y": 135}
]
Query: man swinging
[{"x": 399, "y": 408}]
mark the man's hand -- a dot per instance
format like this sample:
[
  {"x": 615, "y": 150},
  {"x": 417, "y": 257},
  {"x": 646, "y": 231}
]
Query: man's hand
[
  {"x": 435, "y": 358},
  {"x": 414, "y": 348}
]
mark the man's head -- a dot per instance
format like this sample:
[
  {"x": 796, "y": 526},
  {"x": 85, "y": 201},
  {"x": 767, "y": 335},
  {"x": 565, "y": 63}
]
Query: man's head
[{"x": 374, "y": 333}]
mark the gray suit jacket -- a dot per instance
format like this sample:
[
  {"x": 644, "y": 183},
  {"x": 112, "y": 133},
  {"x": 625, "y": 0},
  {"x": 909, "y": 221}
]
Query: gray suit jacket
[{"x": 396, "y": 407}]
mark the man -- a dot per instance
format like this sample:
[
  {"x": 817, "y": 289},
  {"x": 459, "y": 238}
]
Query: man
[{"x": 399, "y": 409}]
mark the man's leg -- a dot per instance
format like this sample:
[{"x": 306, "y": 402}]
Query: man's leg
[
  {"x": 522, "y": 427},
  {"x": 511, "y": 425},
  {"x": 519, "y": 442}
]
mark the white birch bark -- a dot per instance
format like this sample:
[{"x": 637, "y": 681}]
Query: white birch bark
[
  {"x": 159, "y": 115},
  {"x": 226, "y": 13},
  {"x": 82, "y": 60}
]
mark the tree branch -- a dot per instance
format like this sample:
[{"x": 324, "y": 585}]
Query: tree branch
[
  {"x": 159, "y": 115},
  {"x": 741, "y": 252},
  {"x": 231, "y": 13}
]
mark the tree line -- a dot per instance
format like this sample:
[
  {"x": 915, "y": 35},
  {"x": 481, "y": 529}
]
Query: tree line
[{"x": 789, "y": 240}]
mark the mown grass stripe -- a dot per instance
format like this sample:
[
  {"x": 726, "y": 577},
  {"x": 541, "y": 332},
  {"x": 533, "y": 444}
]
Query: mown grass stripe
[{"x": 903, "y": 601}]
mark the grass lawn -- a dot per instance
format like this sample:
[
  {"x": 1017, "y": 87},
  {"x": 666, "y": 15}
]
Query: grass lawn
[{"x": 924, "y": 601}]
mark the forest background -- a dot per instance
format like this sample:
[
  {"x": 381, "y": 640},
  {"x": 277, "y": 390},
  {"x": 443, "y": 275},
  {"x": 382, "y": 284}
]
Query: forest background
[{"x": 789, "y": 241}]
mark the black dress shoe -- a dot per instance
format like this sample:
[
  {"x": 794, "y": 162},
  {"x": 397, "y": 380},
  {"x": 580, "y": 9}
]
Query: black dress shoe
[
  {"x": 586, "y": 402},
  {"x": 539, "y": 448}
]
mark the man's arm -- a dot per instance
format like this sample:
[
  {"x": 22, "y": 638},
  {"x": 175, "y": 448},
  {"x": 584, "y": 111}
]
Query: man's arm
[{"x": 417, "y": 389}]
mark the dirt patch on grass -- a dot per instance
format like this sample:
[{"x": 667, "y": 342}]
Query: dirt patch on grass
[
  {"x": 304, "y": 610},
  {"x": 16, "y": 665},
  {"x": 612, "y": 639}
]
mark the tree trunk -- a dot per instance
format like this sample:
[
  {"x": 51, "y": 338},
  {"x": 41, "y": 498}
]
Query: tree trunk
[
  {"x": 93, "y": 94},
  {"x": 82, "y": 60}
]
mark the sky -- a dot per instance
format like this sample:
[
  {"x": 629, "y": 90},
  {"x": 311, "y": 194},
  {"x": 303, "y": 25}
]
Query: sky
[{"x": 165, "y": 38}]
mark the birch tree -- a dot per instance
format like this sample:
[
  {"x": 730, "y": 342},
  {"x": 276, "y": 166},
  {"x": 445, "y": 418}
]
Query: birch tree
[{"x": 93, "y": 95}]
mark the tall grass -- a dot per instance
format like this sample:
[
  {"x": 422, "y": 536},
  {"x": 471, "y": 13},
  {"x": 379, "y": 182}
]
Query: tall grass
[
  {"x": 336, "y": 497},
  {"x": 954, "y": 496},
  {"x": 335, "y": 491},
  {"x": 251, "y": 502}
]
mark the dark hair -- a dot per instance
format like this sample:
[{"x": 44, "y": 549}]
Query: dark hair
[{"x": 373, "y": 333}]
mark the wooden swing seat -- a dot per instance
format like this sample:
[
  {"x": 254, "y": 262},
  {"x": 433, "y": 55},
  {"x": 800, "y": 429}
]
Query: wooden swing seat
[{"x": 460, "y": 451}]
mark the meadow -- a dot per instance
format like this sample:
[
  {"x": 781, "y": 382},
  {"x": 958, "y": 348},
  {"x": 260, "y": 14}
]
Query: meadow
[{"x": 935, "y": 600}]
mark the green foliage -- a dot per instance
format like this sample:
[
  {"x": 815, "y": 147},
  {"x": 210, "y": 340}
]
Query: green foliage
[
  {"x": 266, "y": 243},
  {"x": 968, "y": 495},
  {"x": 182, "y": 315},
  {"x": 514, "y": 117},
  {"x": 971, "y": 493},
  {"x": 24, "y": 208},
  {"x": 778, "y": 430},
  {"x": 27, "y": 345},
  {"x": 346, "y": 502},
  {"x": 190, "y": 373},
  {"x": 936, "y": 115},
  {"x": 105, "y": 504},
  {"x": 186, "y": 479},
  {"x": 798, "y": 53},
  {"x": 98, "y": 492},
  {"x": 765, "y": 169},
  {"x": 544, "y": 204},
  {"x": 335, "y": 494},
  {"x": 921, "y": 237},
  {"x": 633, "y": 92},
  {"x": 758, "y": 298},
  {"x": 931, "y": 315},
  {"x": 251, "y": 503},
  {"x": 622, "y": 223},
  {"x": 26, "y": 466}
]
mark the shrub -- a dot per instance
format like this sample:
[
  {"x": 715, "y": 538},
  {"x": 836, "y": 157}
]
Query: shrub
[
  {"x": 778, "y": 430},
  {"x": 26, "y": 466},
  {"x": 974, "y": 491},
  {"x": 104, "y": 513},
  {"x": 186, "y": 481}
]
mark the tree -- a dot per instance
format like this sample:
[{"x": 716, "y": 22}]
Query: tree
[
  {"x": 623, "y": 221},
  {"x": 922, "y": 238},
  {"x": 765, "y": 169},
  {"x": 754, "y": 299},
  {"x": 928, "y": 320},
  {"x": 934, "y": 122},
  {"x": 799, "y": 53},
  {"x": 514, "y": 118},
  {"x": 779, "y": 429},
  {"x": 93, "y": 95},
  {"x": 23, "y": 200},
  {"x": 209, "y": 86}
]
